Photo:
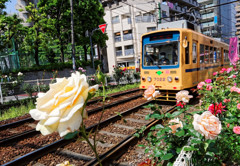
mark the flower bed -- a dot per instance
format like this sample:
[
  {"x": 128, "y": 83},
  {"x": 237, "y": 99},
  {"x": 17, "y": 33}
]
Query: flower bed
[{"x": 212, "y": 135}]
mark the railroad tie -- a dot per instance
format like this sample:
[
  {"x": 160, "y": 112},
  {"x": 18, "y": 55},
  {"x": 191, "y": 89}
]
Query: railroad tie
[
  {"x": 104, "y": 145},
  {"x": 113, "y": 134},
  {"x": 137, "y": 121},
  {"x": 76, "y": 155},
  {"x": 123, "y": 126}
]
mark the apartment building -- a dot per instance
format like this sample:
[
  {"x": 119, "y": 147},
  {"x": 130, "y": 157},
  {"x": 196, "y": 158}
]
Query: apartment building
[
  {"x": 237, "y": 7},
  {"x": 183, "y": 10},
  {"x": 24, "y": 14},
  {"x": 218, "y": 20},
  {"x": 127, "y": 20}
]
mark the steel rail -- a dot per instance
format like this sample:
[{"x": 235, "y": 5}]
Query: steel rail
[
  {"x": 9, "y": 125},
  {"x": 119, "y": 149},
  {"x": 25, "y": 159},
  {"x": 33, "y": 132}
]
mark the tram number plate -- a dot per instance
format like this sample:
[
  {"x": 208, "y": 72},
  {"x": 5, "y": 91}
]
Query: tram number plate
[{"x": 159, "y": 79}]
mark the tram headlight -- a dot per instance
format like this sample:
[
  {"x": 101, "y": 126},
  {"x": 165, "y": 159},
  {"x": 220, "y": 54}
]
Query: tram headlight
[
  {"x": 143, "y": 78},
  {"x": 169, "y": 78},
  {"x": 149, "y": 79},
  {"x": 176, "y": 78}
]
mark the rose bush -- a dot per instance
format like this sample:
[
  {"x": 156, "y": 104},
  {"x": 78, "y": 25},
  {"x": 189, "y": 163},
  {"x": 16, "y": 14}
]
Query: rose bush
[
  {"x": 211, "y": 134},
  {"x": 61, "y": 108}
]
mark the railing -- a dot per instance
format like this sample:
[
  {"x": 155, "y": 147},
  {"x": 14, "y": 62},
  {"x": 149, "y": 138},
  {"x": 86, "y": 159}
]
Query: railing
[
  {"x": 129, "y": 52},
  {"x": 119, "y": 53},
  {"x": 128, "y": 36},
  {"x": 209, "y": 15}
]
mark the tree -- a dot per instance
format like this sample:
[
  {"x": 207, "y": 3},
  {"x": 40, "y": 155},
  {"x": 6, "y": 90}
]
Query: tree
[
  {"x": 10, "y": 26},
  {"x": 88, "y": 14},
  {"x": 59, "y": 12},
  {"x": 35, "y": 36}
]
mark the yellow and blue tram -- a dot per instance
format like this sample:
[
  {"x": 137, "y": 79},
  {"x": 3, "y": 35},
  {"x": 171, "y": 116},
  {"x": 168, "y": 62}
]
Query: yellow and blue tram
[{"x": 177, "y": 59}]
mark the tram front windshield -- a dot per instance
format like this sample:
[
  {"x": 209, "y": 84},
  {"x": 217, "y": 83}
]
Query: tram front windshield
[{"x": 162, "y": 54}]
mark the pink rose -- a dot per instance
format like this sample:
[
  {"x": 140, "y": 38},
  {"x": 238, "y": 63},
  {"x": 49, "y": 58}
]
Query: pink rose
[
  {"x": 175, "y": 126},
  {"x": 151, "y": 93},
  {"x": 215, "y": 73},
  {"x": 234, "y": 76},
  {"x": 238, "y": 106},
  {"x": 209, "y": 87},
  {"x": 229, "y": 69},
  {"x": 236, "y": 129},
  {"x": 200, "y": 85},
  {"x": 207, "y": 124},
  {"x": 208, "y": 81},
  {"x": 235, "y": 84}
]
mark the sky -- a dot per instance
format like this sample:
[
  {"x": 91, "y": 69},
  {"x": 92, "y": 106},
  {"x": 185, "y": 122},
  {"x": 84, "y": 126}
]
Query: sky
[{"x": 11, "y": 6}]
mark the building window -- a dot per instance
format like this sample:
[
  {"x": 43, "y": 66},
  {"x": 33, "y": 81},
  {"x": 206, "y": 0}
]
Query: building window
[
  {"x": 164, "y": 14},
  {"x": 115, "y": 20},
  {"x": 149, "y": 29},
  {"x": 127, "y": 35},
  {"x": 129, "y": 50},
  {"x": 117, "y": 37},
  {"x": 118, "y": 51}
]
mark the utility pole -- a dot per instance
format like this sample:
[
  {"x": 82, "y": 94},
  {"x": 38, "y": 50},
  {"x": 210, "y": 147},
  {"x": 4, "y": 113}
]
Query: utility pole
[
  {"x": 159, "y": 13},
  {"x": 72, "y": 35}
]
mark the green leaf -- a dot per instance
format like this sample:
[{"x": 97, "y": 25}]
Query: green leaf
[
  {"x": 206, "y": 145},
  {"x": 189, "y": 148},
  {"x": 71, "y": 135},
  {"x": 136, "y": 135},
  {"x": 180, "y": 133},
  {"x": 176, "y": 113},
  {"x": 196, "y": 141},
  {"x": 167, "y": 156},
  {"x": 159, "y": 126}
]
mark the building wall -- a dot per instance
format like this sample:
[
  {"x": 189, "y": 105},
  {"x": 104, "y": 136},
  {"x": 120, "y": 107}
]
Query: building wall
[
  {"x": 133, "y": 21},
  {"x": 218, "y": 22},
  {"x": 24, "y": 14},
  {"x": 228, "y": 21}
]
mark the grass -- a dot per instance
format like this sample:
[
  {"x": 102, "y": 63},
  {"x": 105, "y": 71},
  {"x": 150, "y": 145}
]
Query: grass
[
  {"x": 118, "y": 88},
  {"x": 17, "y": 111},
  {"x": 23, "y": 109}
]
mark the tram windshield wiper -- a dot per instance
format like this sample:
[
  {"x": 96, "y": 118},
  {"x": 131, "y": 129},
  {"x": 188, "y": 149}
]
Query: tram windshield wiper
[{"x": 159, "y": 66}]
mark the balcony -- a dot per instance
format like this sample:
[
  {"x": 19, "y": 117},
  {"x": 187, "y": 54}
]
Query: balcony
[
  {"x": 119, "y": 53},
  {"x": 208, "y": 16},
  {"x": 128, "y": 36},
  {"x": 204, "y": 1},
  {"x": 129, "y": 52},
  {"x": 140, "y": 19}
]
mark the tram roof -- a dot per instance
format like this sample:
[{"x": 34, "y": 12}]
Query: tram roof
[{"x": 182, "y": 30}]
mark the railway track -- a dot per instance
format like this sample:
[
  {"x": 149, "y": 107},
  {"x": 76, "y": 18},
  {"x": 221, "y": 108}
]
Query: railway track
[
  {"x": 56, "y": 137},
  {"x": 134, "y": 116},
  {"x": 26, "y": 127}
]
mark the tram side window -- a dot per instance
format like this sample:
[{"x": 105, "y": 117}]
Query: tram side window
[
  {"x": 211, "y": 55},
  {"x": 187, "y": 54},
  {"x": 201, "y": 53},
  {"x": 206, "y": 60},
  {"x": 228, "y": 60},
  {"x": 215, "y": 55},
  {"x": 194, "y": 53},
  {"x": 225, "y": 56},
  {"x": 218, "y": 55}
]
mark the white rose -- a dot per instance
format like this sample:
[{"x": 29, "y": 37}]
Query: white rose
[
  {"x": 207, "y": 124},
  {"x": 60, "y": 109},
  {"x": 20, "y": 74},
  {"x": 150, "y": 92},
  {"x": 183, "y": 96}
]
